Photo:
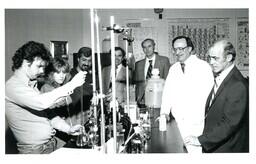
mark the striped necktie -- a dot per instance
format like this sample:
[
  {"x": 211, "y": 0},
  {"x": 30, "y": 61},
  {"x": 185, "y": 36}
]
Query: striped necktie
[
  {"x": 215, "y": 86},
  {"x": 150, "y": 67}
]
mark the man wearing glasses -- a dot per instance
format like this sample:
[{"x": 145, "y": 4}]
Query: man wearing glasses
[{"x": 187, "y": 86}]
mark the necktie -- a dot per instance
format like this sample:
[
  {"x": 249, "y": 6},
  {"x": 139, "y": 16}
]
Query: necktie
[
  {"x": 182, "y": 67},
  {"x": 150, "y": 67},
  {"x": 215, "y": 86}
]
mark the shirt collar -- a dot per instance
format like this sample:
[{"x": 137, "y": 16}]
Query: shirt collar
[
  {"x": 22, "y": 76},
  {"x": 153, "y": 59},
  {"x": 189, "y": 60},
  {"x": 219, "y": 79},
  {"x": 118, "y": 68}
]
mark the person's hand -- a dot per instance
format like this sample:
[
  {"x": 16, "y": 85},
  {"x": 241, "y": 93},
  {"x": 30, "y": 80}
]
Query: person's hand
[
  {"x": 95, "y": 100},
  {"x": 62, "y": 102},
  {"x": 192, "y": 140},
  {"x": 78, "y": 79},
  {"x": 75, "y": 130}
]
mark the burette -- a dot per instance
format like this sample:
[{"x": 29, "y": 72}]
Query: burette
[
  {"x": 128, "y": 40},
  {"x": 127, "y": 78},
  {"x": 82, "y": 105},
  {"x": 93, "y": 66},
  {"x": 100, "y": 79},
  {"x": 70, "y": 121},
  {"x": 112, "y": 24}
]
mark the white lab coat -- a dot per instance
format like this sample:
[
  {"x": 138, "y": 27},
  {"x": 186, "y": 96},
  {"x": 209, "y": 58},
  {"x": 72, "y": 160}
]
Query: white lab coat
[{"x": 185, "y": 95}]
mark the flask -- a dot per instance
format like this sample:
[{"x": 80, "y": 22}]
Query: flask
[{"x": 82, "y": 138}]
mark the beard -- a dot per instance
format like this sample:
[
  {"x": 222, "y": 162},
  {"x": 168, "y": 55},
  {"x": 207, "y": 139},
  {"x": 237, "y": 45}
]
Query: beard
[{"x": 85, "y": 68}]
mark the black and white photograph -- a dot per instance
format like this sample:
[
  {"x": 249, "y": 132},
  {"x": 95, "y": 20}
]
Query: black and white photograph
[{"x": 163, "y": 82}]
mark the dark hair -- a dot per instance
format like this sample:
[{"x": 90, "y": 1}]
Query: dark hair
[
  {"x": 229, "y": 49},
  {"x": 85, "y": 51},
  {"x": 188, "y": 41},
  {"x": 29, "y": 52},
  {"x": 124, "y": 63},
  {"x": 119, "y": 49},
  {"x": 148, "y": 39}
]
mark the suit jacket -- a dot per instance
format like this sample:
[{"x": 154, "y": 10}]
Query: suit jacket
[
  {"x": 161, "y": 62},
  {"x": 120, "y": 82},
  {"x": 227, "y": 119}
]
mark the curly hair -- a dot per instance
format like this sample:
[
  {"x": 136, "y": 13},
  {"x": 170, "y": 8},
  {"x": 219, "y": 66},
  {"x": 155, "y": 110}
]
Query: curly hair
[{"x": 29, "y": 51}]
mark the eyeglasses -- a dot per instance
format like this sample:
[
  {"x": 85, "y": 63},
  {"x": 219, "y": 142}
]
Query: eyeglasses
[
  {"x": 179, "y": 48},
  {"x": 212, "y": 58}
]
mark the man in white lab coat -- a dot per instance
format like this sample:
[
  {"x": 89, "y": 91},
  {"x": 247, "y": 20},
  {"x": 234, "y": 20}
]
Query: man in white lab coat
[{"x": 187, "y": 86}]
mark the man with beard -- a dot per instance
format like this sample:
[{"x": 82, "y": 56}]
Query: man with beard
[
  {"x": 84, "y": 60},
  {"x": 26, "y": 106}
]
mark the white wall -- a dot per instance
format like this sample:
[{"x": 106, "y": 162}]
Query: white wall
[
  {"x": 121, "y": 15},
  {"x": 43, "y": 26},
  {"x": 73, "y": 25}
]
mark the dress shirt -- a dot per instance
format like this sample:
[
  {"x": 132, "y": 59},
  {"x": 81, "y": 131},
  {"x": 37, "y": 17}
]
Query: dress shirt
[
  {"x": 185, "y": 95},
  {"x": 147, "y": 65},
  {"x": 118, "y": 69},
  {"x": 20, "y": 97},
  {"x": 219, "y": 79},
  {"x": 120, "y": 83},
  {"x": 120, "y": 74}
]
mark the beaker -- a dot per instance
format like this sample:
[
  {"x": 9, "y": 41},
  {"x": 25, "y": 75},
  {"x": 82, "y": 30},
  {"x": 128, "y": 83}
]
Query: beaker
[
  {"x": 82, "y": 138},
  {"x": 93, "y": 139}
]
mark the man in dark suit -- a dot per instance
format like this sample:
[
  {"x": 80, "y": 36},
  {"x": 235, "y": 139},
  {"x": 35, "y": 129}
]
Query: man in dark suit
[
  {"x": 227, "y": 108},
  {"x": 144, "y": 67}
]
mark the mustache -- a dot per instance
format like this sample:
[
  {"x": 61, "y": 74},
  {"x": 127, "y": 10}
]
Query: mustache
[{"x": 84, "y": 65}]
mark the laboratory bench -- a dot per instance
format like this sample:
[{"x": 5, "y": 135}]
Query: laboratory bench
[{"x": 168, "y": 141}]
